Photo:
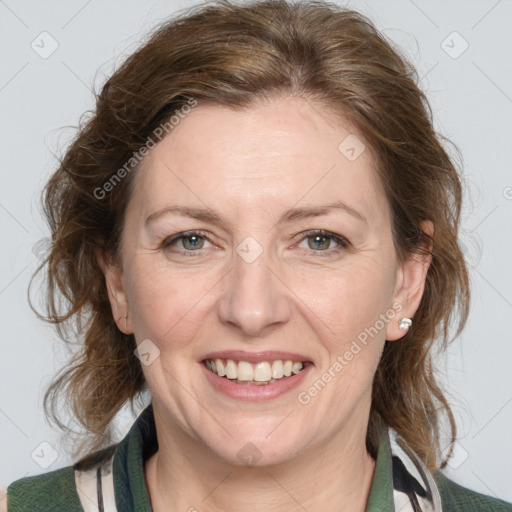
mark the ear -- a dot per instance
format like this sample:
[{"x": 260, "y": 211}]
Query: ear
[
  {"x": 116, "y": 292},
  {"x": 411, "y": 277}
]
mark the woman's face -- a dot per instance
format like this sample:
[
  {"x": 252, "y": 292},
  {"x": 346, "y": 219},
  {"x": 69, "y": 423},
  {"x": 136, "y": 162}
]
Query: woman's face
[{"x": 257, "y": 278}]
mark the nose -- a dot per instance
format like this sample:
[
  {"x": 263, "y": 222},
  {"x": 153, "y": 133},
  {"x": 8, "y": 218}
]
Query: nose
[{"x": 254, "y": 297}]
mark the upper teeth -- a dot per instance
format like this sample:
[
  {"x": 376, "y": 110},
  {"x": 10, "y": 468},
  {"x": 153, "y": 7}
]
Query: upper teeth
[{"x": 259, "y": 372}]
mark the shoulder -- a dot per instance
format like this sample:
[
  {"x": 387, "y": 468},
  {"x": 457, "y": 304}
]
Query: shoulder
[
  {"x": 455, "y": 497},
  {"x": 3, "y": 498},
  {"x": 55, "y": 491}
]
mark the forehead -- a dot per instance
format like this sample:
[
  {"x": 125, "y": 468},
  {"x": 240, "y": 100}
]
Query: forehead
[{"x": 281, "y": 152}]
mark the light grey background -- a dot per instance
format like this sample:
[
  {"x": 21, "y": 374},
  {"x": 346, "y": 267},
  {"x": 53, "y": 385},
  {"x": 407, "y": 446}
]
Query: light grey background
[{"x": 470, "y": 92}]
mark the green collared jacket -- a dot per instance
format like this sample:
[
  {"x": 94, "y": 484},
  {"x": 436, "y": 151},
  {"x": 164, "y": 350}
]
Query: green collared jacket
[{"x": 56, "y": 491}]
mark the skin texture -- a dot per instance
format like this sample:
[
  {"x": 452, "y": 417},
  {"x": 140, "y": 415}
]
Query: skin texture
[{"x": 250, "y": 167}]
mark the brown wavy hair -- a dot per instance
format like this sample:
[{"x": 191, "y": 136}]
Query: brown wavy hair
[{"x": 232, "y": 55}]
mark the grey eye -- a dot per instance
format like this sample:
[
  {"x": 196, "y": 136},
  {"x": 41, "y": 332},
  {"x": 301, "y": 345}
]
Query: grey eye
[
  {"x": 192, "y": 242},
  {"x": 319, "y": 242}
]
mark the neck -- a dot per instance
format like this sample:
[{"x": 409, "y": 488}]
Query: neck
[{"x": 335, "y": 476}]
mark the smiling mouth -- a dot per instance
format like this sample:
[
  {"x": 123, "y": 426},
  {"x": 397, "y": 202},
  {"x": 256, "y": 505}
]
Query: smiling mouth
[{"x": 259, "y": 374}]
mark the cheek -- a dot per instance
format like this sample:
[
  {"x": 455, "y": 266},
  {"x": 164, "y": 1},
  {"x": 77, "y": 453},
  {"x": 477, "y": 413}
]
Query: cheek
[
  {"x": 165, "y": 305},
  {"x": 348, "y": 300},
  {"x": 351, "y": 303}
]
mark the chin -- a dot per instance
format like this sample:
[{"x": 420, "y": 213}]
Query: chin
[{"x": 256, "y": 451}]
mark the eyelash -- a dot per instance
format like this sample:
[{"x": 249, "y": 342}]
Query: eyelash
[{"x": 342, "y": 242}]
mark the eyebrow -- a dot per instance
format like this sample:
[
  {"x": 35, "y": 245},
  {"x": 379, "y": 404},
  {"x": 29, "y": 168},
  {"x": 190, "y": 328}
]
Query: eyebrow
[{"x": 291, "y": 215}]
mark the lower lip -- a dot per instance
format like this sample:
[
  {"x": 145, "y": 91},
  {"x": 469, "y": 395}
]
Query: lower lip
[{"x": 255, "y": 392}]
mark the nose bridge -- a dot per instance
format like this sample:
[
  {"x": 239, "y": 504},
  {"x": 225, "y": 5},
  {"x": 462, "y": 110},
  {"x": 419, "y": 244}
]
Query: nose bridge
[{"x": 253, "y": 297}]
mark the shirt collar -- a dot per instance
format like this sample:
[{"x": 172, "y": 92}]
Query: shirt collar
[
  {"x": 381, "y": 491},
  {"x": 130, "y": 488}
]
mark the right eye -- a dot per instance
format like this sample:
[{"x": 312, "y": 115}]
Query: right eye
[{"x": 191, "y": 241}]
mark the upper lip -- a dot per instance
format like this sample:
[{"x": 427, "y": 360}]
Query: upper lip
[{"x": 256, "y": 357}]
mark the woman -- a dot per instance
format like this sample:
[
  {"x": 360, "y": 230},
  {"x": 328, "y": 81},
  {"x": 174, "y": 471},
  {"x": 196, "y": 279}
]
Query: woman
[{"x": 259, "y": 227}]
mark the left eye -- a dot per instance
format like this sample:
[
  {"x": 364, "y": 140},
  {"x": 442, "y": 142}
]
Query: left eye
[{"x": 320, "y": 240}]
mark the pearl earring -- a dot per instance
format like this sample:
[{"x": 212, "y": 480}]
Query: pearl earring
[
  {"x": 125, "y": 321},
  {"x": 404, "y": 323}
]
